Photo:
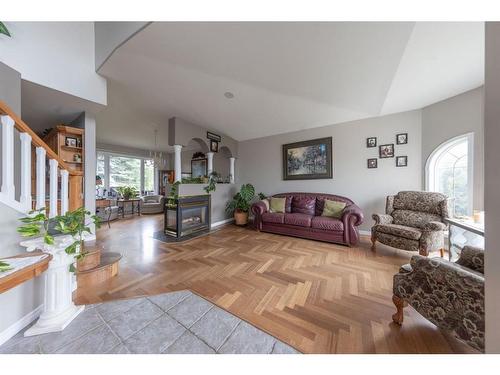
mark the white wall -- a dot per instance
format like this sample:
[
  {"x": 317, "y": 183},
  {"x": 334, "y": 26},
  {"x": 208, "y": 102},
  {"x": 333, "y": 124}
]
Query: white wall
[
  {"x": 492, "y": 186},
  {"x": 260, "y": 161},
  {"x": 452, "y": 117},
  {"x": 111, "y": 35},
  {"x": 59, "y": 55}
]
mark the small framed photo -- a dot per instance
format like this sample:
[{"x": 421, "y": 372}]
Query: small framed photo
[
  {"x": 214, "y": 146},
  {"x": 401, "y": 161},
  {"x": 71, "y": 142},
  {"x": 372, "y": 163},
  {"x": 386, "y": 151},
  {"x": 402, "y": 138},
  {"x": 371, "y": 142}
]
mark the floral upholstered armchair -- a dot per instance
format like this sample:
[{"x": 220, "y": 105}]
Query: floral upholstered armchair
[
  {"x": 450, "y": 295},
  {"x": 413, "y": 221}
]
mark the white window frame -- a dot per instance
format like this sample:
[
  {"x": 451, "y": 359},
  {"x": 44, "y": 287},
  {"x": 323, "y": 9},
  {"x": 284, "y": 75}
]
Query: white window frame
[
  {"x": 430, "y": 165},
  {"x": 108, "y": 154}
]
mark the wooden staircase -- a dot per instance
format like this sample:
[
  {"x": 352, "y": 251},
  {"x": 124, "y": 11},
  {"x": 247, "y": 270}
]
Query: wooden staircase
[
  {"x": 64, "y": 185},
  {"x": 97, "y": 266}
]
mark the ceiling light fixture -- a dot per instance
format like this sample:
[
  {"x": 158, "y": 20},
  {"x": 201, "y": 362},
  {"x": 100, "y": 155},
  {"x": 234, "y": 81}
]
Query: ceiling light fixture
[{"x": 229, "y": 95}]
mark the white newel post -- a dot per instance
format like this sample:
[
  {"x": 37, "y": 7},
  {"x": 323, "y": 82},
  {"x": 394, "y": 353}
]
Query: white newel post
[
  {"x": 58, "y": 308},
  {"x": 210, "y": 163},
  {"x": 177, "y": 162},
  {"x": 8, "y": 188},
  {"x": 231, "y": 169}
]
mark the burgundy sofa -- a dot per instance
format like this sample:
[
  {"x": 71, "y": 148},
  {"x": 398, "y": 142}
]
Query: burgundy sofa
[{"x": 302, "y": 218}]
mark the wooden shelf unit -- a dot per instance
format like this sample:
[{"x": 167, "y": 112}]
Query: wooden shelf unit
[{"x": 56, "y": 139}]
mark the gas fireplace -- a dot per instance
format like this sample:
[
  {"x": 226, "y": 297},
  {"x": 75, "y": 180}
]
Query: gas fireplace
[{"x": 187, "y": 215}]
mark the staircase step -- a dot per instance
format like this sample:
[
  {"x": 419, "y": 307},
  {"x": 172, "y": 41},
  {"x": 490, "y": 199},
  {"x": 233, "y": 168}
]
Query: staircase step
[{"x": 107, "y": 268}]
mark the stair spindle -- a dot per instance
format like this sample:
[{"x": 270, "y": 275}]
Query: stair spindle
[
  {"x": 40, "y": 177},
  {"x": 8, "y": 188},
  {"x": 53, "y": 187},
  {"x": 25, "y": 198}
]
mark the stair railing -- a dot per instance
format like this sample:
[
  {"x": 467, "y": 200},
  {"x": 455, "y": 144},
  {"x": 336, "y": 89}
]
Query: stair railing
[{"x": 71, "y": 180}]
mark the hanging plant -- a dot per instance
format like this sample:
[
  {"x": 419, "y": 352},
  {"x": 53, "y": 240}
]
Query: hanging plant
[{"x": 3, "y": 29}]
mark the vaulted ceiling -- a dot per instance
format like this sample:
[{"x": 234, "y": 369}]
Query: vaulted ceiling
[{"x": 291, "y": 76}]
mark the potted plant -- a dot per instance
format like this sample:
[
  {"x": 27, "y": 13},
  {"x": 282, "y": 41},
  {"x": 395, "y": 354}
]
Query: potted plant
[
  {"x": 73, "y": 223},
  {"x": 128, "y": 192},
  {"x": 240, "y": 204}
]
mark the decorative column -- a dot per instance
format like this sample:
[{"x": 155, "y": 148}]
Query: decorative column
[
  {"x": 177, "y": 162},
  {"x": 58, "y": 307},
  {"x": 231, "y": 169},
  {"x": 210, "y": 163}
]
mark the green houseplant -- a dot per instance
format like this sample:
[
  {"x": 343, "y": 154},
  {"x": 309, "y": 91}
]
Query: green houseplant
[
  {"x": 240, "y": 204},
  {"x": 128, "y": 192},
  {"x": 3, "y": 29},
  {"x": 73, "y": 223}
]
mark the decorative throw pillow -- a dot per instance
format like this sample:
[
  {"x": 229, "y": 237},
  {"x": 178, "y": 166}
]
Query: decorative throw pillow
[
  {"x": 277, "y": 205},
  {"x": 266, "y": 202},
  {"x": 333, "y": 209},
  {"x": 304, "y": 205}
]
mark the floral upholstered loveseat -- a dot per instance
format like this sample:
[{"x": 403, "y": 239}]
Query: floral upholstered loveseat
[
  {"x": 450, "y": 295},
  {"x": 413, "y": 221}
]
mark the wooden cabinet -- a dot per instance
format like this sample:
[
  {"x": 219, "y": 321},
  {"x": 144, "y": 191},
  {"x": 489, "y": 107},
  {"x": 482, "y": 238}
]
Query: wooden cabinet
[{"x": 68, "y": 143}]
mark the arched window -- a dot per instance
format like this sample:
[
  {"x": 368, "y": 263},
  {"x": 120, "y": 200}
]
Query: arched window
[{"x": 449, "y": 171}]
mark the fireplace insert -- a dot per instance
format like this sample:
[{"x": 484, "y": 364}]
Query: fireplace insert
[{"x": 187, "y": 215}]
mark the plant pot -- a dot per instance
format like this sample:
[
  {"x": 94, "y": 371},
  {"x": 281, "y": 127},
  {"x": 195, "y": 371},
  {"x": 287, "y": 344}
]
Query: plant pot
[{"x": 240, "y": 217}]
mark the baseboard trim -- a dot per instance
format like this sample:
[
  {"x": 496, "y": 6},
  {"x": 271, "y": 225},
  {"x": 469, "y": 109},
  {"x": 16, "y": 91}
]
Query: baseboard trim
[
  {"x": 12, "y": 330},
  {"x": 222, "y": 222},
  {"x": 365, "y": 232}
]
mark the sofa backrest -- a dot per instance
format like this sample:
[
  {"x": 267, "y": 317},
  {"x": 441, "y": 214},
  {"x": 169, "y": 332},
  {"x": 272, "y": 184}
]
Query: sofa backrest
[
  {"x": 319, "y": 197},
  {"x": 416, "y": 208},
  {"x": 152, "y": 198}
]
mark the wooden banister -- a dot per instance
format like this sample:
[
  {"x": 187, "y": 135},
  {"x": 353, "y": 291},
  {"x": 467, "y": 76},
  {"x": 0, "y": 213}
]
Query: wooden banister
[{"x": 35, "y": 139}]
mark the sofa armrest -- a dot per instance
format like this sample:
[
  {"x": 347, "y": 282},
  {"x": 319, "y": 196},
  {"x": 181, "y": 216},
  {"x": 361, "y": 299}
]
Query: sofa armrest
[
  {"x": 473, "y": 258},
  {"x": 434, "y": 226},
  {"x": 449, "y": 295},
  {"x": 382, "y": 219},
  {"x": 258, "y": 208},
  {"x": 352, "y": 213}
]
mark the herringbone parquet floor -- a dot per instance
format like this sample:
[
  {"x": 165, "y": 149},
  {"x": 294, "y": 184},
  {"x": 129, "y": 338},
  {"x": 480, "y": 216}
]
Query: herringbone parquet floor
[{"x": 317, "y": 297}]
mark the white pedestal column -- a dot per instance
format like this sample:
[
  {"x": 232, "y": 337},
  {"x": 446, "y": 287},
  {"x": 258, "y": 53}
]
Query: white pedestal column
[
  {"x": 58, "y": 308},
  {"x": 177, "y": 162},
  {"x": 210, "y": 163},
  {"x": 231, "y": 169}
]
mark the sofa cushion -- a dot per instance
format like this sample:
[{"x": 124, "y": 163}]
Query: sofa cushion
[
  {"x": 304, "y": 205},
  {"x": 327, "y": 223},
  {"x": 399, "y": 231},
  {"x": 277, "y": 205},
  {"x": 273, "y": 217},
  {"x": 333, "y": 209},
  {"x": 301, "y": 220},
  {"x": 413, "y": 218}
]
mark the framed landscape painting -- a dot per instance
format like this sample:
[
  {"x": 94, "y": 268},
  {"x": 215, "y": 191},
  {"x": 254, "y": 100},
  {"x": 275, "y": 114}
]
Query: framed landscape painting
[{"x": 308, "y": 160}]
